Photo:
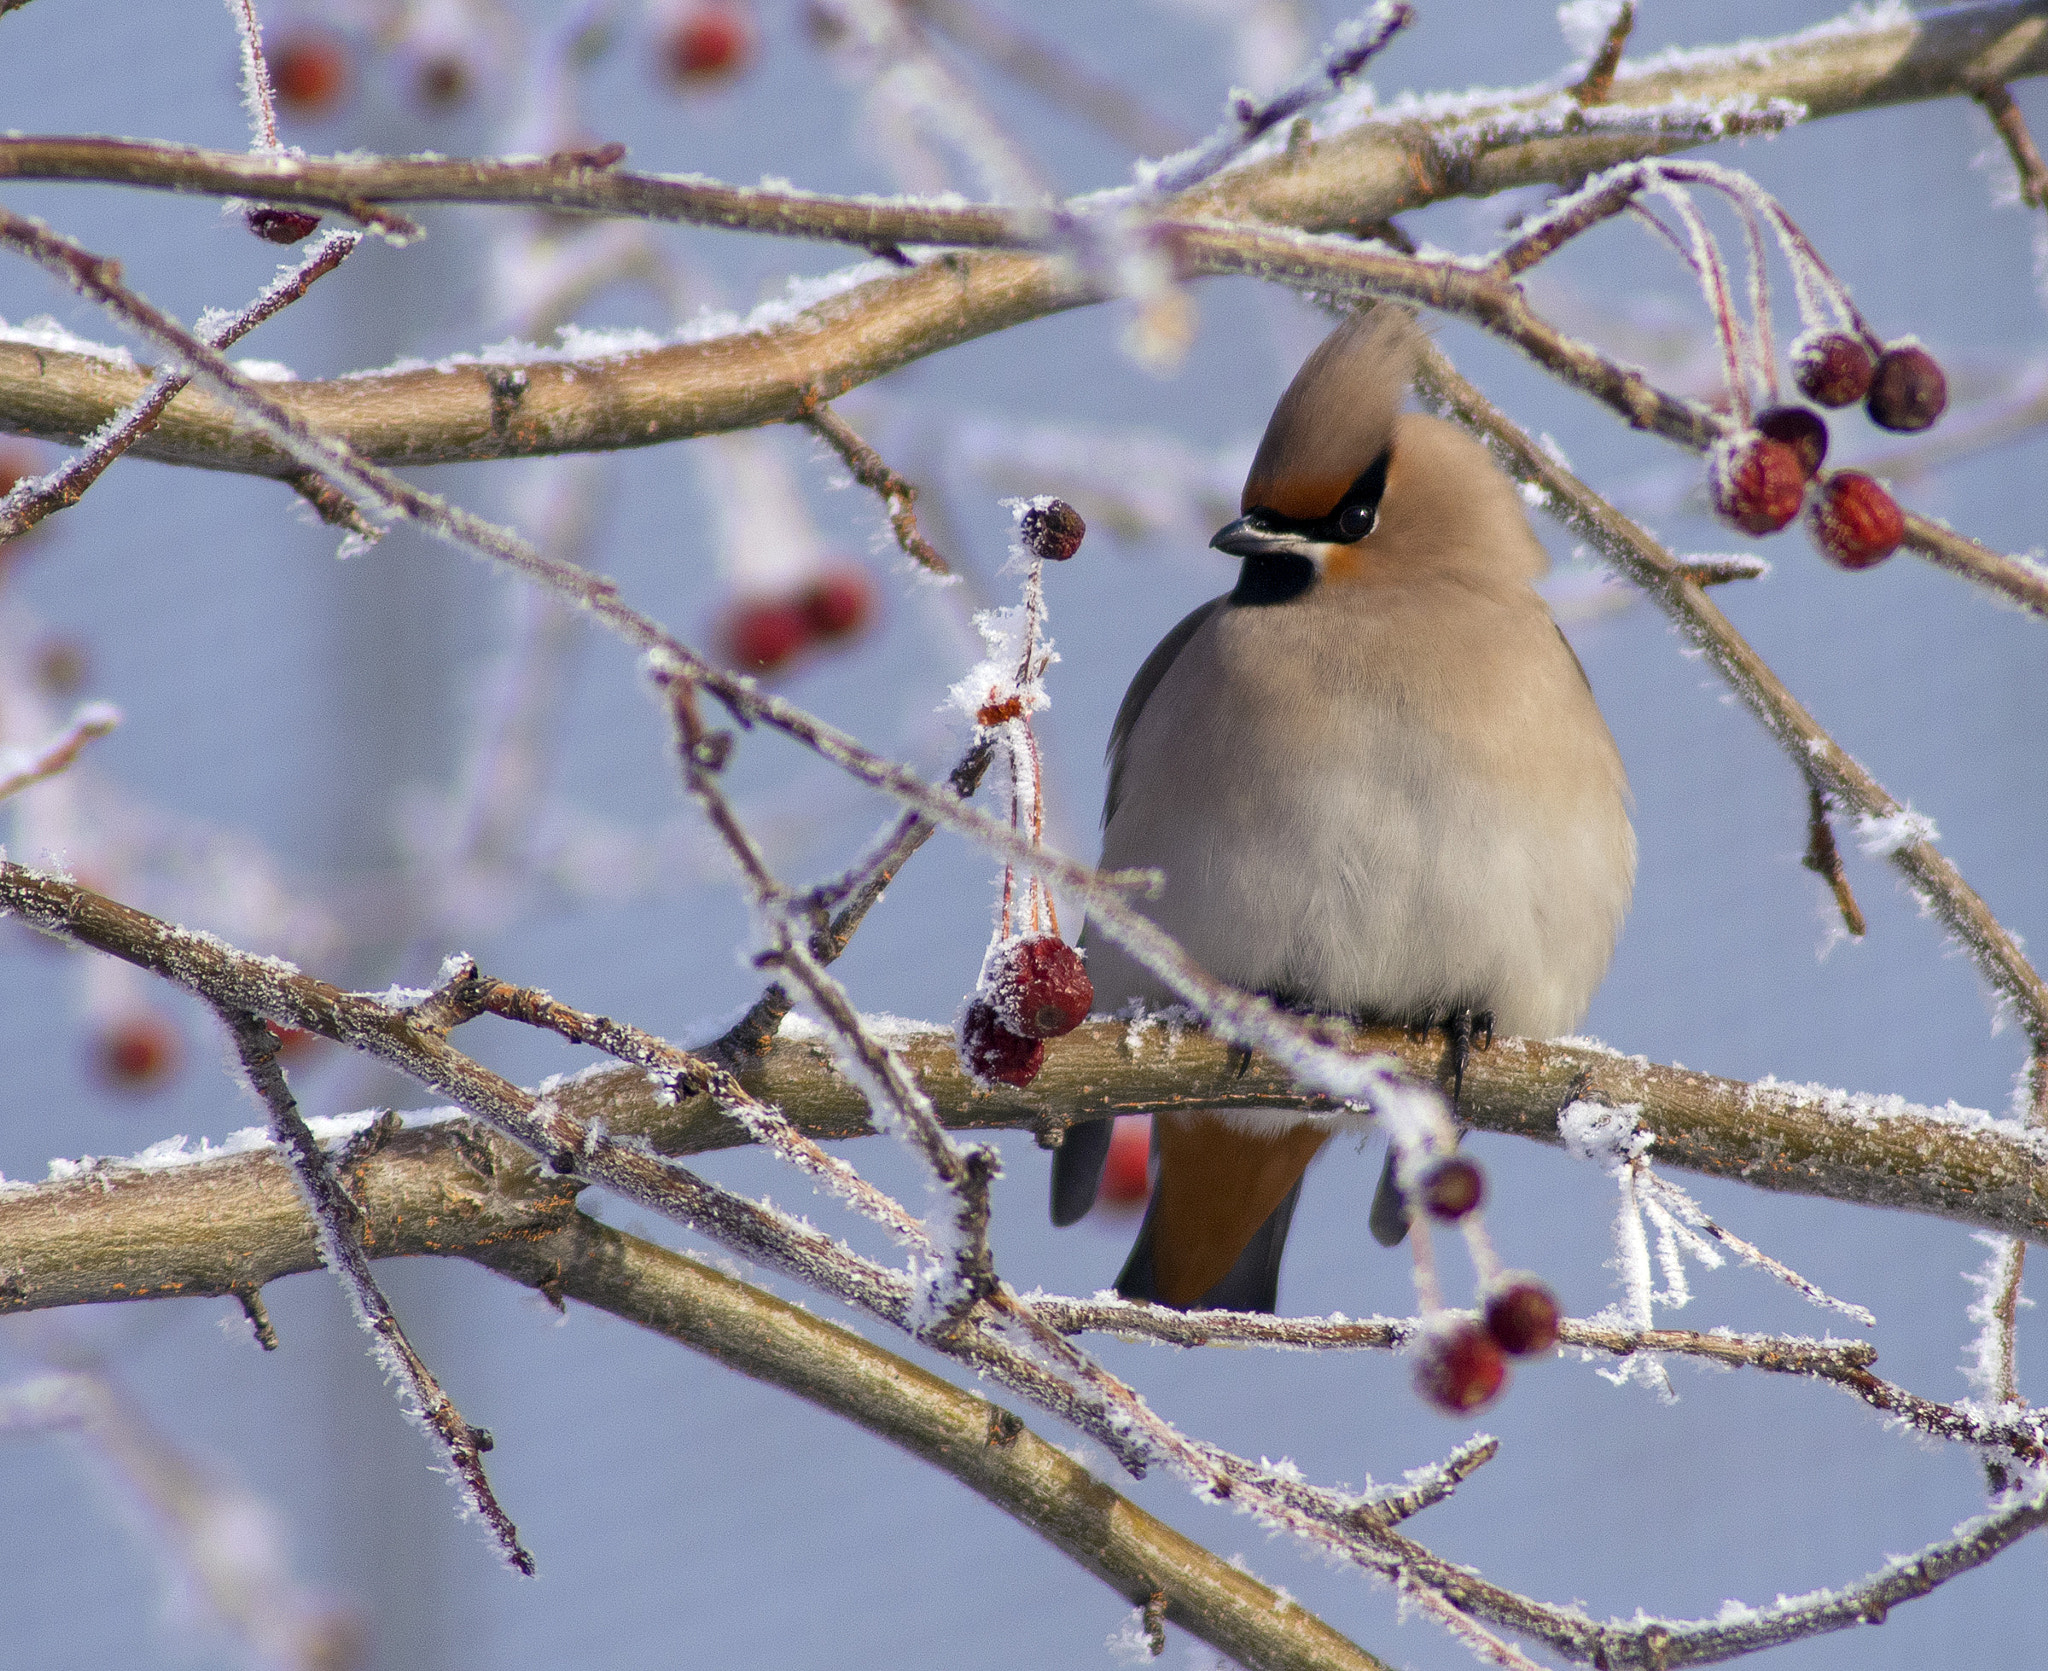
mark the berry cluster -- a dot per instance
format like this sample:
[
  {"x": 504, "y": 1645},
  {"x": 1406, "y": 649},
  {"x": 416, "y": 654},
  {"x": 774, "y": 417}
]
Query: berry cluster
[
  {"x": 766, "y": 633},
  {"x": 1462, "y": 1364},
  {"x": 1032, "y": 989}
]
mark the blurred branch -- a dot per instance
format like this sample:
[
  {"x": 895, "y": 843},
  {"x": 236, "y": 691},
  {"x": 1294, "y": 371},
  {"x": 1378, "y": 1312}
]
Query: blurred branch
[
  {"x": 1056, "y": 77},
  {"x": 979, "y": 1443},
  {"x": 94, "y": 720},
  {"x": 2006, "y": 117}
]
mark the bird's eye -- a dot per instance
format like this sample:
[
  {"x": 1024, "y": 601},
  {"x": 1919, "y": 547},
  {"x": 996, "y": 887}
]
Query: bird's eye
[{"x": 1354, "y": 522}]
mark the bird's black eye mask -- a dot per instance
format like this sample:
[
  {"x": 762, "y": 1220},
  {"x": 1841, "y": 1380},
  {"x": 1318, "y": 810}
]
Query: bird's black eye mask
[{"x": 1278, "y": 575}]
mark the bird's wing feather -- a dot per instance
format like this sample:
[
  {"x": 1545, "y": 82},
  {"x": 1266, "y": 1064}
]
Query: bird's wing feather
[{"x": 1142, "y": 687}]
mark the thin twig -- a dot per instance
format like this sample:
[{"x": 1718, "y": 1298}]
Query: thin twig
[
  {"x": 94, "y": 720},
  {"x": 255, "y": 77},
  {"x": 2011, "y": 124},
  {"x": 339, "y": 1220},
  {"x": 1824, "y": 859},
  {"x": 30, "y": 500},
  {"x": 873, "y": 473},
  {"x": 1598, "y": 82}
]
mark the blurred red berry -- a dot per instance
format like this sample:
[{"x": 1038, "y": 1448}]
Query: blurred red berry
[
  {"x": 1451, "y": 1189},
  {"x": 1039, "y": 987},
  {"x": 18, "y": 459},
  {"x": 992, "y": 1054},
  {"x": 706, "y": 42},
  {"x": 763, "y": 634},
  {"x": 840, "y": 602},
  {"x": 139, "y": 1053},
  {"x": 1802, "y": 429},
  {"x": 1854, "y": 521},
  {"x": 1459, "y": 1368},
  {"x": 1522, "y": 1317},
  {"x": 294, "y": 1044},
  {"x": 1832, "y": 367},
  {"x": 1053, "y": 531},
  {"x": 1755, "y": 482},
  {"x": 310, "y": 71},
  {"x": 281, "y": 226},
  {"x": 1127, "y": 1172},
  {"x": 1907, "y": 391}
]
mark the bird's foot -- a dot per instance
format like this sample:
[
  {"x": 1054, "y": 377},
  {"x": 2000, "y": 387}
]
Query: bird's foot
[{"x": 1459, "y": 1029}]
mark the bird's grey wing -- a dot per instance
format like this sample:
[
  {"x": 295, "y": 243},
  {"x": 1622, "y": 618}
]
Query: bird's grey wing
[
  {"x": 1142, "y": 686},
  {"x": 1077, "y": 1162}
]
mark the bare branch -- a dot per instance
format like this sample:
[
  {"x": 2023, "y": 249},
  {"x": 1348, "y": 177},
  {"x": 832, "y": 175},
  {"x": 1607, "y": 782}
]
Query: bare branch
[
  {"x": 338, "y": 1220},
  {"x": 2011, "y": 124},
  {"x": 1598, "y": 83},
  {"x": 1824, "y": 859},
  {"x": 94, "y": 720},
  {"x": 868, "y": 468}
]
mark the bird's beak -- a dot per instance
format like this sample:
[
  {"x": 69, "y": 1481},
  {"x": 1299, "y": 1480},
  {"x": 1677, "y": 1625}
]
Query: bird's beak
[{"x": 1245, "y": 538}]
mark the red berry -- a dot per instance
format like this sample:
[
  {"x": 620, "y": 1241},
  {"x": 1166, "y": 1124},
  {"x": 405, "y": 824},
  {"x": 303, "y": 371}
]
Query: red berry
[
  {"x": 1802, "y": 429},
  {"x": 294, "y": 1044},
  {"x": 1907, "y": 391},
  {"x": 1522, "y": 1317},
  {"x": 138, "y": 1053},
  {"x": 1854, "y": 521},
  {"x": 1451, "y": 1189},
  {"x": 1039, "y": 987},
  {"x": 1053, "y": 531},
  {"x": 1127, "y": 1172},
  {"x": 1755, "y": 482},
  {"x": 992, "y": 1054},
  {"x": 762, "y": 634},
  {"x": 310, "y": 72},
  {"x": 840, "y": 602},
  {"x": 1460, "y": 1368},
  {"x": 17, "y": 460},
  {"x": 706, "y": 43},
  {"x": 1832, "y": 367},
  {"x": 281, "y": 226}
]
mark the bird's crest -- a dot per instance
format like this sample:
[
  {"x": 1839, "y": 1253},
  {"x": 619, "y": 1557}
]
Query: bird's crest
[{"x": 1337, "y": 416}]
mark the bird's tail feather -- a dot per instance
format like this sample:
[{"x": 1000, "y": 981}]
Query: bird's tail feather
[
  {"x": 1252, "y": 1284},
  {"x": 1077, "y": 1170}
]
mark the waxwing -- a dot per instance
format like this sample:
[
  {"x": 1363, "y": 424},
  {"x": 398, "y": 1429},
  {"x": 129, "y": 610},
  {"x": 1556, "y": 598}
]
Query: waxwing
[{"x": 1376, "y": 781}]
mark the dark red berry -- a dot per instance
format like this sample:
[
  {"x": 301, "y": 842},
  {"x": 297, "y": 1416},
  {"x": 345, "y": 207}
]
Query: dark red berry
[
  {"x": 138, "y": 1053},
  {"x": 443, "y": 79},
  {"x": 1522, "y": 1317},
  {"x": 1451, "y": 1188},
  {"x": 1039, "y": 987},
  {"x": 1854, "y": 521},
  {"x": 1755, "y": 482},
  {"x": 708, "y": 42},
  {"x": 992, "y": 1054},
  {"x": 762, "y": 634},
  {"x": 1907, "y": 391},
  {"x": 1832, "y": 367},
  {"x": 1802, "y": 429},
  {"x": 1053, "y": 531},
  {"x": 281, "y": 226},
  {"x": 294, "y": 1044},
  {"x": 1459, "y": 1368},
  {"x": 310, "y": 72},
  {"x": 840, "y": 602},
  {"x": 1127, "y": 1172},
  {"x": 18, "y": 459}
]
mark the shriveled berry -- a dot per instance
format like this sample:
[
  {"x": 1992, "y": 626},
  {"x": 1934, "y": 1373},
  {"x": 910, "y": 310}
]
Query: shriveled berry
[
  {"x": 1854, "y": 521},
  {"x": 1801, "y": 428},
  {"x": 992, "y": 1054},
  {"x": 138, "y": 1053},
  {"x": 1039, "y": 987},
  {"x": 310, "y": 71},
  {"x": 1460, "y": 1368},
  {"x": 1755, "y": 482},
  {"x": 1832, "y": 367},
  {"x": 1451, "y": 1188},
  {"x": 281, "y": 226},
  {"x": 1127, "y": 1171},
  {"x": 707, "y": 42},
  {"x": 1053, "y": 531},
  {"x": 1908, "y": 390},
  {"x": 763, "y": 634},
  {"x": 840, "y": 602},
  {"x": 1522, "y": 1316}
]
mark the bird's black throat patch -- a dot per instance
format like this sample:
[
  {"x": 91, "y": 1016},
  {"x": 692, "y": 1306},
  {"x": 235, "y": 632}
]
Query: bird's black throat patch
[{"x": 1273, "y": 579}]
